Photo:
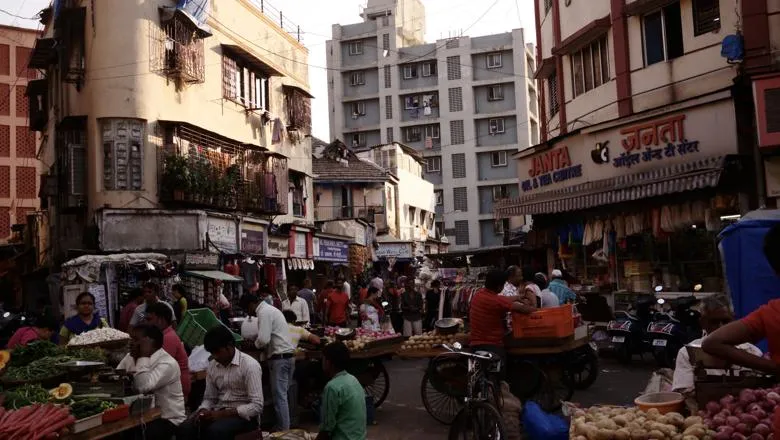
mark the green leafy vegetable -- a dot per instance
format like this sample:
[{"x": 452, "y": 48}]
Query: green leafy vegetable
[
  {"x": 33, "y": 351},
  {"x": 81, "y": 409},
  {"x": 25, "y": 395}
]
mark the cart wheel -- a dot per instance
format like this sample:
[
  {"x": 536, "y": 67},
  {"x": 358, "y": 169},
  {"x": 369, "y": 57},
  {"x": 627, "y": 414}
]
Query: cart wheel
[
  {"x": 525, "y": 379},
  {"x": 582, "y": 372},
  {"x": 441, "y": 406},
  {"x": 379, "y": 387},
  {"x": 553, "y": 391}
]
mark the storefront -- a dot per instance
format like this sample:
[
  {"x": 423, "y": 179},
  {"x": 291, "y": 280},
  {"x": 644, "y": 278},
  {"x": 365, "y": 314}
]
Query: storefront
[
  {"x": 629, "y": 205},
  {"x": 331, "y": 257},
  {"x": 300, "y": 263},
  {"x": 395, "y": 257}
]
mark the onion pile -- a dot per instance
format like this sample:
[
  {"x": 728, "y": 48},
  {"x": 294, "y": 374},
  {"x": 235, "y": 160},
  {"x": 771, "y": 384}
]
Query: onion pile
[{"x": 746, "y": 417}]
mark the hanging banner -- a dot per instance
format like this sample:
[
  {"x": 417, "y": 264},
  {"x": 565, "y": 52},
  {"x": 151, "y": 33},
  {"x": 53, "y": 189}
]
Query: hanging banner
[
  {"x": 278, "y": 247},
  {"x": 326, "y": 249}
]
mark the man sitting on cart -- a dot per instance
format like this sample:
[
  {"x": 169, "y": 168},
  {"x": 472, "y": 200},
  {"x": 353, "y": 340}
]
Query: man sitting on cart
[{"x": 488, "y": 310}]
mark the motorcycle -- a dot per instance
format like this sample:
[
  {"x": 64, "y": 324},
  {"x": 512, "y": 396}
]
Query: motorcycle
[
  {"x": 628, "y": 330},
  {"x": 10, "y": 322},
  {"x": 671, "y": 331}
]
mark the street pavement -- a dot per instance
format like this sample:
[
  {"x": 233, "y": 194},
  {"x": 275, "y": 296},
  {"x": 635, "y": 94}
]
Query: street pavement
[{"x": 403, "y": 417}]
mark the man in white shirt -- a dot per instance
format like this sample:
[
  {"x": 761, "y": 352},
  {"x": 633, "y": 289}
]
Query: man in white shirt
[
  {"x": 715, "y": 313},
  {"x": 273, "y": 336},
  {"x": 345, "y": 286},
  {"x": 151, "y": 296},
  {"x": 156, "y": 372},
  {"x": 233, "y": 400},
  {"x": 296, "y": 304}
]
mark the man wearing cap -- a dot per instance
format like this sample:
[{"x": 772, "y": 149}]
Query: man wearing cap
[{"x": 559, "y": 287}]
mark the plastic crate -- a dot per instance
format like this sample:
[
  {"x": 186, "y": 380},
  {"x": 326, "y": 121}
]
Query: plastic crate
[
  {"x": 196, "y": 323},
  {"x": 554, "y": 322}
]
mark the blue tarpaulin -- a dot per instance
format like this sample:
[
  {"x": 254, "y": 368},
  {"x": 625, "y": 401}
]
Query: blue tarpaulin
[
  {"x": 751, "y": 281},
  {"x": 196, "y": 11}
]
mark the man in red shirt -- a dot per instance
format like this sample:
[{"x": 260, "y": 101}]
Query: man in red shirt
[
  {"x": 136, "y": 299},
  {"x": 488, "y": 312},
  {"x": 762, "y": 323},
  {"x": 160, "y": 316},
  {"x": 337, "y": 307}
]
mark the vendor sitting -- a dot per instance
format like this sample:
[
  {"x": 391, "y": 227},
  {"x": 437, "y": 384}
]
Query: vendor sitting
[
  {"x": 86, "y": 318},
  {"x": 715, "y": 313},
  {"x": 42, "y": 330}
]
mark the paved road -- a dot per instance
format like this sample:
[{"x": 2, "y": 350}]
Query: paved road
[{"x": 403, "y": 417}]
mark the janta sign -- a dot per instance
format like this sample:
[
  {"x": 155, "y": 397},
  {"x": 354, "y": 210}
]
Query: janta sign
[
  {"x": 668, "y": 134},
  {"x": 551, "y": 167}
]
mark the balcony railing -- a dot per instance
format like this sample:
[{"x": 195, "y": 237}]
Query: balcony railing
[
  {"x": 371, "y": 214},
  {"x": 202, "y": 170}
]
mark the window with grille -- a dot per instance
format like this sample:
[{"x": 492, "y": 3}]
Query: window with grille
[
  {"x": 499, "y": 226},
  {"x": 439, "y": 194},
  {"x": 460, "y": 199},
  {"x": 495, "y": 92},
  {"x": 432, "y": 131},
  {"x": 706, "y": 16},
  {"x": 358, "y": 109},
  {"x": 662, "y": 34},
  {"x": 453, "y": 68},
  {"x": 461, "y": 233},
  {"x": 356, "y": 48},
  {"x": 358, "y": 139},
  {"x": 500, "y": 192},
  {"x": 389, "y": 135},
  {"x": 388, "y": 107},
  {"x": 386, "y": 41},
  {"x": 244, "y": 85},
  {"x": 590, "y": 66},
  {"x": 456, "y": 99},
  {"x": 123, "y": 141},
  {"x": 388, "y": 77},
  {"x": 457, "y": 133},
  {"x": 498, "y": 159},
  {"x": 429, "y": 68},
  {"x": 496, "y": 125},
  {"x": 410, "y": 71},
  {"x": 433, "y": 164},
  {"x": 552, "y": 89},
  {"x": 453, "y": 43},
  {"x": 358, "y": 78},
  {"x": 459, "y": 166},
  {"x": 412, "y": 134},
  {"x": 494, "y": 60}
]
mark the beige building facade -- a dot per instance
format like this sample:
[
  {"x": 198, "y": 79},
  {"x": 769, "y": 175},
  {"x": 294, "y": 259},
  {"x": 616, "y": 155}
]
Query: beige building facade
[
  {"x": 168, "y": 128},
  {"x": 19, "y": 164}
]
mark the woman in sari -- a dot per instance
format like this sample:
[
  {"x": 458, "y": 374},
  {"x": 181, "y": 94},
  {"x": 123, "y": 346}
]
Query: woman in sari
[{"x": 86, "y": 319}]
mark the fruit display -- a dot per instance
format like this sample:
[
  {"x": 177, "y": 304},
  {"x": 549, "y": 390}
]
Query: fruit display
[
  {"x": 430, "y": 340},
  {"x": 34, "y": 422},
  {"x": 613, "y": 423},
  {"x": 363, "y": 338},
  {"x": 747, "y": 416},
  {"x": 98, "y": 336}
]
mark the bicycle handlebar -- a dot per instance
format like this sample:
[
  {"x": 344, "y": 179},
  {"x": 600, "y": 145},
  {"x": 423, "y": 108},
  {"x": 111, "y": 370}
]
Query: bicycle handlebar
[{"x": 467, "y": 354}]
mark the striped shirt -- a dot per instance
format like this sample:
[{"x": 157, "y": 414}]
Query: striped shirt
[{"x": 238, "y": 385}]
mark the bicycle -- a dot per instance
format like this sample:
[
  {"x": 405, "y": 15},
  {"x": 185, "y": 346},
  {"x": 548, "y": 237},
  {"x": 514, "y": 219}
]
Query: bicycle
[{"x": 479, "y": 419}]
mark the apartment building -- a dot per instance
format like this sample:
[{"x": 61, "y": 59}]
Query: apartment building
[
  {"x": 168, "y": 127},
  {"x": 19, "y": 166},
  {"x": 466, "y": 104},
  {"x": 645, "y": 102}
]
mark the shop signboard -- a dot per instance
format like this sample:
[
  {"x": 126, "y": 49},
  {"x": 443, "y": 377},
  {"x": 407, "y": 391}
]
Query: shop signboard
[
  {"x": 201, "y": 260},
  {"x": 326, "y": 249},
  {"x": 300, "y": 245},
  {"x": 222, "y": 233},
  {"x": 253, "y": 239},
  {"x": 278, "y": 247},
  {"x": 552, "y": 166},
  {"x": 394, "y": 250}
]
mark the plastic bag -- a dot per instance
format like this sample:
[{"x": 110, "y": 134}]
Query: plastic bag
[
  {"x": 660, "y": 381},
  {"x": 539, "y": 425},
  {"x": 199, "y": 359}
]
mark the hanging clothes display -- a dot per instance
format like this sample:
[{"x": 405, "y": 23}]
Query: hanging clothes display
[{"x": 278, "y": 128}]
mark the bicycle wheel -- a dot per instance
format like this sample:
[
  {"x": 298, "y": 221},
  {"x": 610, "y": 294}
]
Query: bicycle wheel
[
  {"x": 441, "y": 406},
  {"x": 581, "y": 373},
  {"x": 379, "y": 387},
  {"x": 478, "y": 421}
]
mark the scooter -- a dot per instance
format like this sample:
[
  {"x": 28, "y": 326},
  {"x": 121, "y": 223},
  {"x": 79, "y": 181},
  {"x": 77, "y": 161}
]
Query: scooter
[
  {"x": 10, "y": 322},
  {"x": 628, "y": 330},
  {"x": 671, "y": 331}
]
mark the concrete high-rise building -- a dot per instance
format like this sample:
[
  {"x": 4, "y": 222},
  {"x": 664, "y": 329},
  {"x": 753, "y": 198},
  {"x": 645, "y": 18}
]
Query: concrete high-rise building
[{"x": 466, "y": 103}]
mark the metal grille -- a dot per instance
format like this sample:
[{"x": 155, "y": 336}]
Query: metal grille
[
  {"x": 386, "y": 41},
  {"x": 176, "y": 52},
  {"x": 459, "y": 166},
  {"x": 456, "y": 99},
  {"x": 772, "y": 100},
  {"x": 453, "y": 68},
  {"x": 453, "y": 43},
  {"x": 204, "y": 169},
  {"x": 389, "y": 135},
  {"x": 461, "y": 232},
  {"x": 457, "y": 136},
  {"x": 388, "y": 107},
  {"x": 706, "y": 16},
  {"x": 298, "y": 110},
  {"x": 552, "y": 86},
  {"x": 123, "y": 141},
  {"x": 388, "y": 77}
]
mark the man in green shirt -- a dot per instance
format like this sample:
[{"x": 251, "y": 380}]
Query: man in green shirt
[{"x": 344, "y": 400}]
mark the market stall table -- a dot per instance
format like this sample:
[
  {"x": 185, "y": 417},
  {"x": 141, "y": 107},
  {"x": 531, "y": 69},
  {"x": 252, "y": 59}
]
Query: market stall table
[{"x": 113, "y": 428}]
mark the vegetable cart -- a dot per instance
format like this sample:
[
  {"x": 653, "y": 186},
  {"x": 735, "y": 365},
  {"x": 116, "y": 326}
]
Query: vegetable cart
[{"x": 117, "y": 427}]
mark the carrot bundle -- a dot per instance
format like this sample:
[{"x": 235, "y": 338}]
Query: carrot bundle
[{"x": 34, "y": 422}]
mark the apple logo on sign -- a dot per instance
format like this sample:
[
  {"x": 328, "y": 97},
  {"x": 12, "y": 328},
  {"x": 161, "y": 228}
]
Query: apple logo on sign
[{"x": 600, "y": 154}]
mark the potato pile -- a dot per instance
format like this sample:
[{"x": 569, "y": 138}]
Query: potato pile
[
  {"x": 602, "y": 423},
  {"x": 430, "y": 340}
]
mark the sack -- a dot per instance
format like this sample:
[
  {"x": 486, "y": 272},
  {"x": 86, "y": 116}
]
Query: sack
[{"x": 542, "y": 426}]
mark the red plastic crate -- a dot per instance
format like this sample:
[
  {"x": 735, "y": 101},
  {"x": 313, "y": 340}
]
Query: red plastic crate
[{"x": 554, "y": 323}]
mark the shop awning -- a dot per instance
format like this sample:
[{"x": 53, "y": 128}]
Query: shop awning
[
  {"x": 216, "y": 275},
  {"x": 704, "y": 173}
]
